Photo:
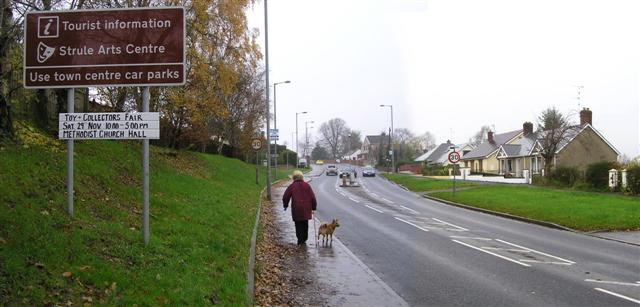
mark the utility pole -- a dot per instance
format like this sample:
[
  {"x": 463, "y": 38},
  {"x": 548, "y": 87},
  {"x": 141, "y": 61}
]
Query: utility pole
[{"x": 266, "y": 57}]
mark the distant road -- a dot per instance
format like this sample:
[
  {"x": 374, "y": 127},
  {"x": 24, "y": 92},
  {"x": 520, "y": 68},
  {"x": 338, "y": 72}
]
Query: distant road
[{"x": 439, "y": 255}]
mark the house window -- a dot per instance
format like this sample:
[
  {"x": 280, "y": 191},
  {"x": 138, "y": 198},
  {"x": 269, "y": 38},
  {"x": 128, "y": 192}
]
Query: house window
[{"x": 509, "y": 166}]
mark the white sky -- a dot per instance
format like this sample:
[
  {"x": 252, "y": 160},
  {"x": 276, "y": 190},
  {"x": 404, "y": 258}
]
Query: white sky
[{"x": 451, "y": 66}]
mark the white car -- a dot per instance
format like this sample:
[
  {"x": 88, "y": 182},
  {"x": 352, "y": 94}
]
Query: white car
[{"x": 332, "y": 170}]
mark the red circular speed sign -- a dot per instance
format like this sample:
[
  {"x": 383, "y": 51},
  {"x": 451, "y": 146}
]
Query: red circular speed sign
[{"x": 454, "y": 157}]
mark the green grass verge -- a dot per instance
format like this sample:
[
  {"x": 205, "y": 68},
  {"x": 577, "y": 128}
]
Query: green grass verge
[
  {"x": 585, "y": 211},
  {"x": 203, "y": 209},
  {"x": 423, "y": 184}
]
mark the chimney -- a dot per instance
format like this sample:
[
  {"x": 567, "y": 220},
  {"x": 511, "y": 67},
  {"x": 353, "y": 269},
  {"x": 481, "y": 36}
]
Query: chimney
[
  {"x": 490, "y": 136},
  {"x": 586, "y": 117},
  {"x": 527, "y": 128}
]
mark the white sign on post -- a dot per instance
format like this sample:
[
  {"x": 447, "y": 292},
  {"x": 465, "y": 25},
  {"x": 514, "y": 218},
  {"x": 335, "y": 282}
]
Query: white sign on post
[{"x": 121, "y": 126}]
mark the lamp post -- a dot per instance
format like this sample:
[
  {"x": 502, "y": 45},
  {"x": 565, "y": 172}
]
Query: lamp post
[
  {"x": 266, "y": 59},
  {"x": 306, "y": 138},
  {"x": 297, "y": 150},
  {"x": 275, "y": 123},
  {"x": 393, "y": 160}
]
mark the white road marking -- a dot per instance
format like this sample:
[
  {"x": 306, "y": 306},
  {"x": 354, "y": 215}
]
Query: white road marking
[
  {"x": 374, "y": 195},
  {"x": 506, "y": 249},
  {"x": 354, "y": 200},
  {"x": 409, "y": 209},
  {"x": 614, "y": 282},
  {"x": 412, "y": 224},
  {"x": 547, "y": 262},
  {"x": 618, "y": 295},
  {"x": 374, "y": 209},
  {"x": 386, "y": 200},
  {"x": 491, "y": 253},
  {"x": 535, "y": 251},
  {"x": 473, "y": 238},
  {"x": 441, "y": 221}
]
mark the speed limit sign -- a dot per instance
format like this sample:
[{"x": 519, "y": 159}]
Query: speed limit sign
[
  {"x": 256, "y": 144},
  {"x": 454, "y": 157}
]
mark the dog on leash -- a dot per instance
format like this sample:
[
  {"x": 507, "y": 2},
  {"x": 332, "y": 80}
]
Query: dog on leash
[{"x": 326, "y": 230}]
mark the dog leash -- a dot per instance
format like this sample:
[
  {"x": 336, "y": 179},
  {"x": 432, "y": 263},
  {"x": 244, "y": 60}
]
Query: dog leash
[{"x": 315, "y": 236}]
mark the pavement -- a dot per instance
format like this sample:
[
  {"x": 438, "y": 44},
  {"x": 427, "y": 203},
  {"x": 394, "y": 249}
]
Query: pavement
[
  {"x": 630, "y": 237},
  {"x": 349, "y": 281}
]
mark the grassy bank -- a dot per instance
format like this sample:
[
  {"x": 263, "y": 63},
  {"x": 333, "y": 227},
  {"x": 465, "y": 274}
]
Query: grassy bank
[
  {"x": 202, "y": 215},
  {"x": 586, "y": 211},
  {"x": 422, "y": 184}
]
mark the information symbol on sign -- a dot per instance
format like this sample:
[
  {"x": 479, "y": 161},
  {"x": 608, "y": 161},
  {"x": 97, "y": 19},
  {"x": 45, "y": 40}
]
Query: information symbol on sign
[
  {"x": 256, "y": 144},
  {"x": 48, "y": 26},
  {"x": 454, "y": 157}
]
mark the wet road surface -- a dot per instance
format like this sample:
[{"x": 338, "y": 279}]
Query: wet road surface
[
  {"x": 343, "y": 279},
  {"x": 435, "y": 254}
]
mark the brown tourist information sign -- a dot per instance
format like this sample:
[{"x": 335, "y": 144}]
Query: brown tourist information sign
[{"x": 124, "y": 47}]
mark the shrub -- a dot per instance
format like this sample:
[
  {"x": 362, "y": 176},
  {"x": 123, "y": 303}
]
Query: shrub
[
  {"x": 539, "y": 180},
  {"x": 633, "y": 179},
  {"x": 437, "y": 170},
  {"x": 597, "y": 174},
  {"x": 565, "y": 175}
]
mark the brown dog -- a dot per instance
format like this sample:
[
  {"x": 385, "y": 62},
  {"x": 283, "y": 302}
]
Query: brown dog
[{"x": 327, "y": 230}]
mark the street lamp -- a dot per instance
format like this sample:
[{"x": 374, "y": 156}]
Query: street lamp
[
  {"x": 306, "y": 137},
  {"x": 297, "y": 152},
  {"x": 393, "y": 161},
  {"x": 275, "y": 123},
  {"x": 266, "y": 60}
]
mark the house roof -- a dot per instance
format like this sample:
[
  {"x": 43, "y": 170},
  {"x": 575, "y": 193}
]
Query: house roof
[
  {"x": 523, "y": 147},
  {"x": 576, "y": 132},
  {"x": 437, "y": 154},
  {"x": 520, "y": 148},
  {"x": 374, "y": 139},
  {"x": 425, "y": 155},
  {"x": 486, "y": 148}
]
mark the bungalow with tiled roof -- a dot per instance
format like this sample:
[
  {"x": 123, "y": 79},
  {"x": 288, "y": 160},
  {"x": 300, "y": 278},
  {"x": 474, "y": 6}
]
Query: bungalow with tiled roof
[
  {"x": 482, "y": 159},
  {"x": 583, "y": 145}
]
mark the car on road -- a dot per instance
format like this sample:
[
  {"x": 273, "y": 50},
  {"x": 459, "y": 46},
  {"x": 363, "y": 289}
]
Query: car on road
[
  {"x": 368, "y": 172},
  {"x": 331, "y": 170},
  {"x": 302, "y": 163},
  {"x": 319, "y": 162},
  {"x": 347, "y": 171}
]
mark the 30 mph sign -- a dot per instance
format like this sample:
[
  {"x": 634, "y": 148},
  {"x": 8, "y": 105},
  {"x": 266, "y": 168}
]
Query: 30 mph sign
[
  {"x": 256, "y": 144},
  {"x": 454, "y": 157}
]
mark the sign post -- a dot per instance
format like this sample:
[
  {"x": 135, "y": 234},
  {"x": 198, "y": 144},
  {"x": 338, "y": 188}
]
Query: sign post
[
  {"x": 256, "y": 144},
  {"x": 454, "y": 158},
  {"x": 70, "y": 109},
  {"x": 96, "y": 48},
  {"x": 274, "y": 134}
]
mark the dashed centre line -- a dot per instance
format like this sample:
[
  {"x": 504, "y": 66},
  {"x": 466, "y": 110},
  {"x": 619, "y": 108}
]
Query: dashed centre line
[
  {"x": 412, "y": 224},
  {"x": 441, "y": 221},
  {"x": 409, "y": 209},
  {"x": 614, "y": 282},
  {"x": 374, "y": 209},
  {"x": 391, "y": 202},
  {"x": 535, "y": 251},
  {"x": 492, "y": 253},
  {"x": 472, "y": 238},
  {"x": 618, "y": 295}
]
